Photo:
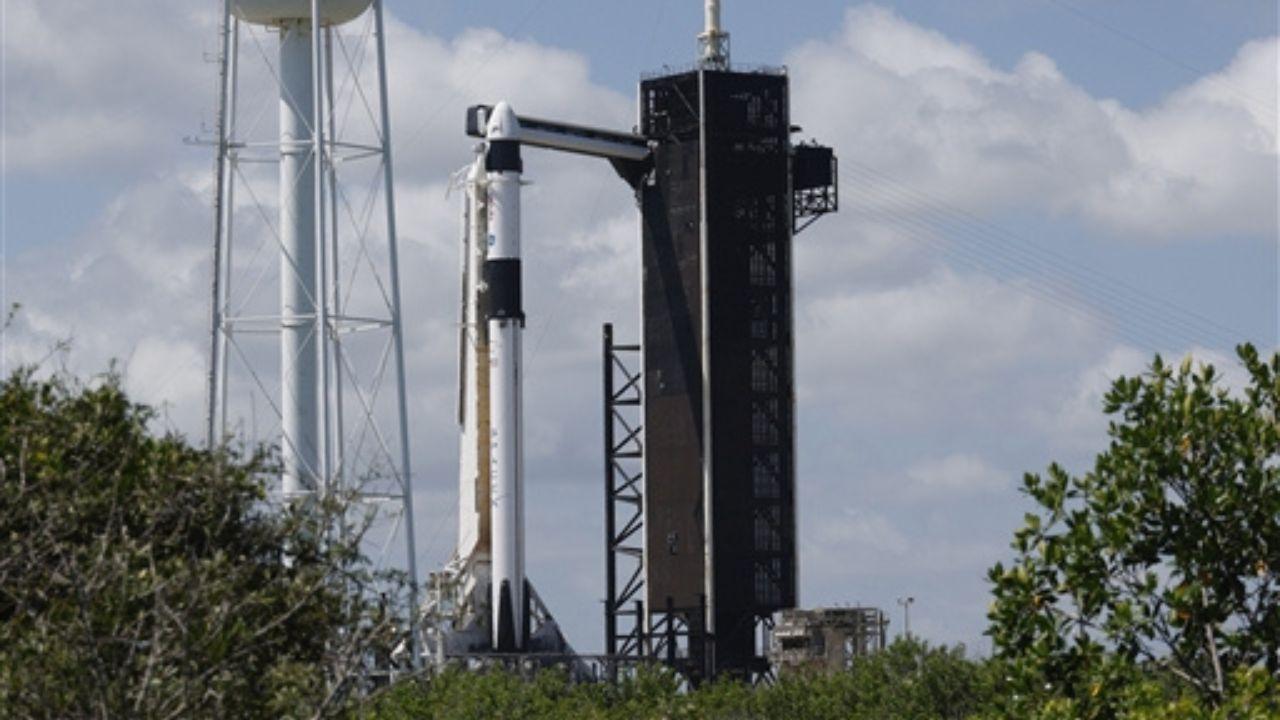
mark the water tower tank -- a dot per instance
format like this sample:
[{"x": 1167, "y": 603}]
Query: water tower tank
[{"x": 277, "y": 12}]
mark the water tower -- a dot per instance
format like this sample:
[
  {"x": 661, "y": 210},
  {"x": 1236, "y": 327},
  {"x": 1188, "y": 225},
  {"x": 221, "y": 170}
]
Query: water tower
[{"x": 306, "y": 344}]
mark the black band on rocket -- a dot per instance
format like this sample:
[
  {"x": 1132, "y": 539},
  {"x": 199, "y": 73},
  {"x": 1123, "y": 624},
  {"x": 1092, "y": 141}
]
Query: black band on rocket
[
  {"x": 503, "y": 156},
  {"x": 502, "y": 276}
]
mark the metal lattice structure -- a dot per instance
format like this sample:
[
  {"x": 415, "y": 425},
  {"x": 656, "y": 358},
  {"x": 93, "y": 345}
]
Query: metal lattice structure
[
  {"x": 815, "y": 181},
  {"x": 307, "y": 350},
  {"x": 624, "y": 617}
]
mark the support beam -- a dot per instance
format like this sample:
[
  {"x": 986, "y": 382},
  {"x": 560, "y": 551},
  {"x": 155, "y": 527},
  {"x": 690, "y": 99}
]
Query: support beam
[
  {"x": 553, "y": 135},
  {"x": 299, "y": 343}
]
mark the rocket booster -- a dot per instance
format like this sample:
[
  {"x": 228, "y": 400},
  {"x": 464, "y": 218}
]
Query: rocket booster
[
  {"x": 486, "y": 584},
  {"x": 473, "y": 385},
  {"x": 503, "y": 168}
]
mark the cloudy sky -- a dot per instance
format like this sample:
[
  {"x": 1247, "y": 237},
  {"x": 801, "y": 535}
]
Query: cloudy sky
[{"x": 1035, "y": 197}]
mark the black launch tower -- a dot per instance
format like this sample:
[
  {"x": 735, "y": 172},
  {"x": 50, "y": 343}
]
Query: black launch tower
[{"x": 714, "y": 482}]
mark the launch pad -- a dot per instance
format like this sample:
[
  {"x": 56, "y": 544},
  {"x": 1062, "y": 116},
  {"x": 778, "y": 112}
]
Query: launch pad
[
  {"x": 699, "y": 416},
  {"x": 699, "y": 413}
]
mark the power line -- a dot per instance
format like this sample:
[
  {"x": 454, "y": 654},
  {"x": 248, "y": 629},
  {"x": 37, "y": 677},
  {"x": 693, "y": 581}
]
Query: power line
[
  {"x": 1053, "y": 258},
  {"x": 989, "y": 247},
  {"x": 1263, "y": 105},
  {"x": 969, "y": 249},
  {"x": 991, "y": 235},
  {"x": 921, "y": 231}
]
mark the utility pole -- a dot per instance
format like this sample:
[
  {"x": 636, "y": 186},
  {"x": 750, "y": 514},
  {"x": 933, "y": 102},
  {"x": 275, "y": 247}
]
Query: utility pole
[{"x": 906, "y": 602}]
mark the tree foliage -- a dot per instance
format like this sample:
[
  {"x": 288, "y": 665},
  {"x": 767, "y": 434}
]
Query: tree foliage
[
  {"x": 1164, "y": 556},
  {"x": 142, "y": 577},
  {"x": 909, "y": 681}
]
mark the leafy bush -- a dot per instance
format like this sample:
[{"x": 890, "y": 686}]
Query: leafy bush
[
  {"x": 911, "y": 681},
  {"x": 142, "y": 577},
  {"x": 1163, "y": 561}
]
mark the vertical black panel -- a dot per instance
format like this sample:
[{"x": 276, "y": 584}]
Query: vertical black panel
[
  {"x": 671, "y": 212},
  {"x": 749, "y": 276}
]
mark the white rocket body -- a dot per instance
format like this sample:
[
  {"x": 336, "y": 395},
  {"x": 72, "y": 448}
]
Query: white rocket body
[
  {"x": 483, "y": 601},
  {"x": 506, "y": 325}
]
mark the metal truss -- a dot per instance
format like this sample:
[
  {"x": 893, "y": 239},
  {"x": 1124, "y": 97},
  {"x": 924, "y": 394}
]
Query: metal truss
[
  {"x": 634, "y": 634},
  {"x": 624, "y": 614},
  {"x": 679, "y": 639},
  {"x": 364, "y": 449}
]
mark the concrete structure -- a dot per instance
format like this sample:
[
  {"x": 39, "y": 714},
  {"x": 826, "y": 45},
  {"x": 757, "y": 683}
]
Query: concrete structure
[{"x": 826, "y": 638}]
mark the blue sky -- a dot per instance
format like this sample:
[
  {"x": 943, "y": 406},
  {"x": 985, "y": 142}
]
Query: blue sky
[
  {"x": 1036, "y": 196},
  {"x": 1135, "y": 52},
  {"x": 625, "y": 37}
]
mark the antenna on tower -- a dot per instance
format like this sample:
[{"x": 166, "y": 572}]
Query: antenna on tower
[{"x": 713, "y": 43}]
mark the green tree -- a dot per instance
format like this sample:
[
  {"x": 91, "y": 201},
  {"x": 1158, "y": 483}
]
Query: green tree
[
  {"x": 142, "y": 577},
  {"x": 1254, "y": 695},
  {"x": 911, "y": 680},
  {"x": 1164, "y": 556}
]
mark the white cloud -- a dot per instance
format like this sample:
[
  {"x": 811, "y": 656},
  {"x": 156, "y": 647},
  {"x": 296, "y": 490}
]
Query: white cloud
[
  {"x": 168, "y": 374},
  {"x": 868, "y": 558},
  {"x": 105, "y": 84},
  {"x": 1075, "y": 420},
  {"x": 895, "y": 356},
  {"x": 132, "y": 287},
  {"x": 957, "y": 473},
  {"x": 859, "y": 536},
  {"x": 935, "y": 115},
  {"x": 432, "y": 80},
  {"x": 1204, "y": 161}
]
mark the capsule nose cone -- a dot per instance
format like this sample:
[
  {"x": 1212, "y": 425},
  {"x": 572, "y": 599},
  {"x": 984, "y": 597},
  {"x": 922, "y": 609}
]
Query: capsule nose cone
[{"x": 502, "y": 124}]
